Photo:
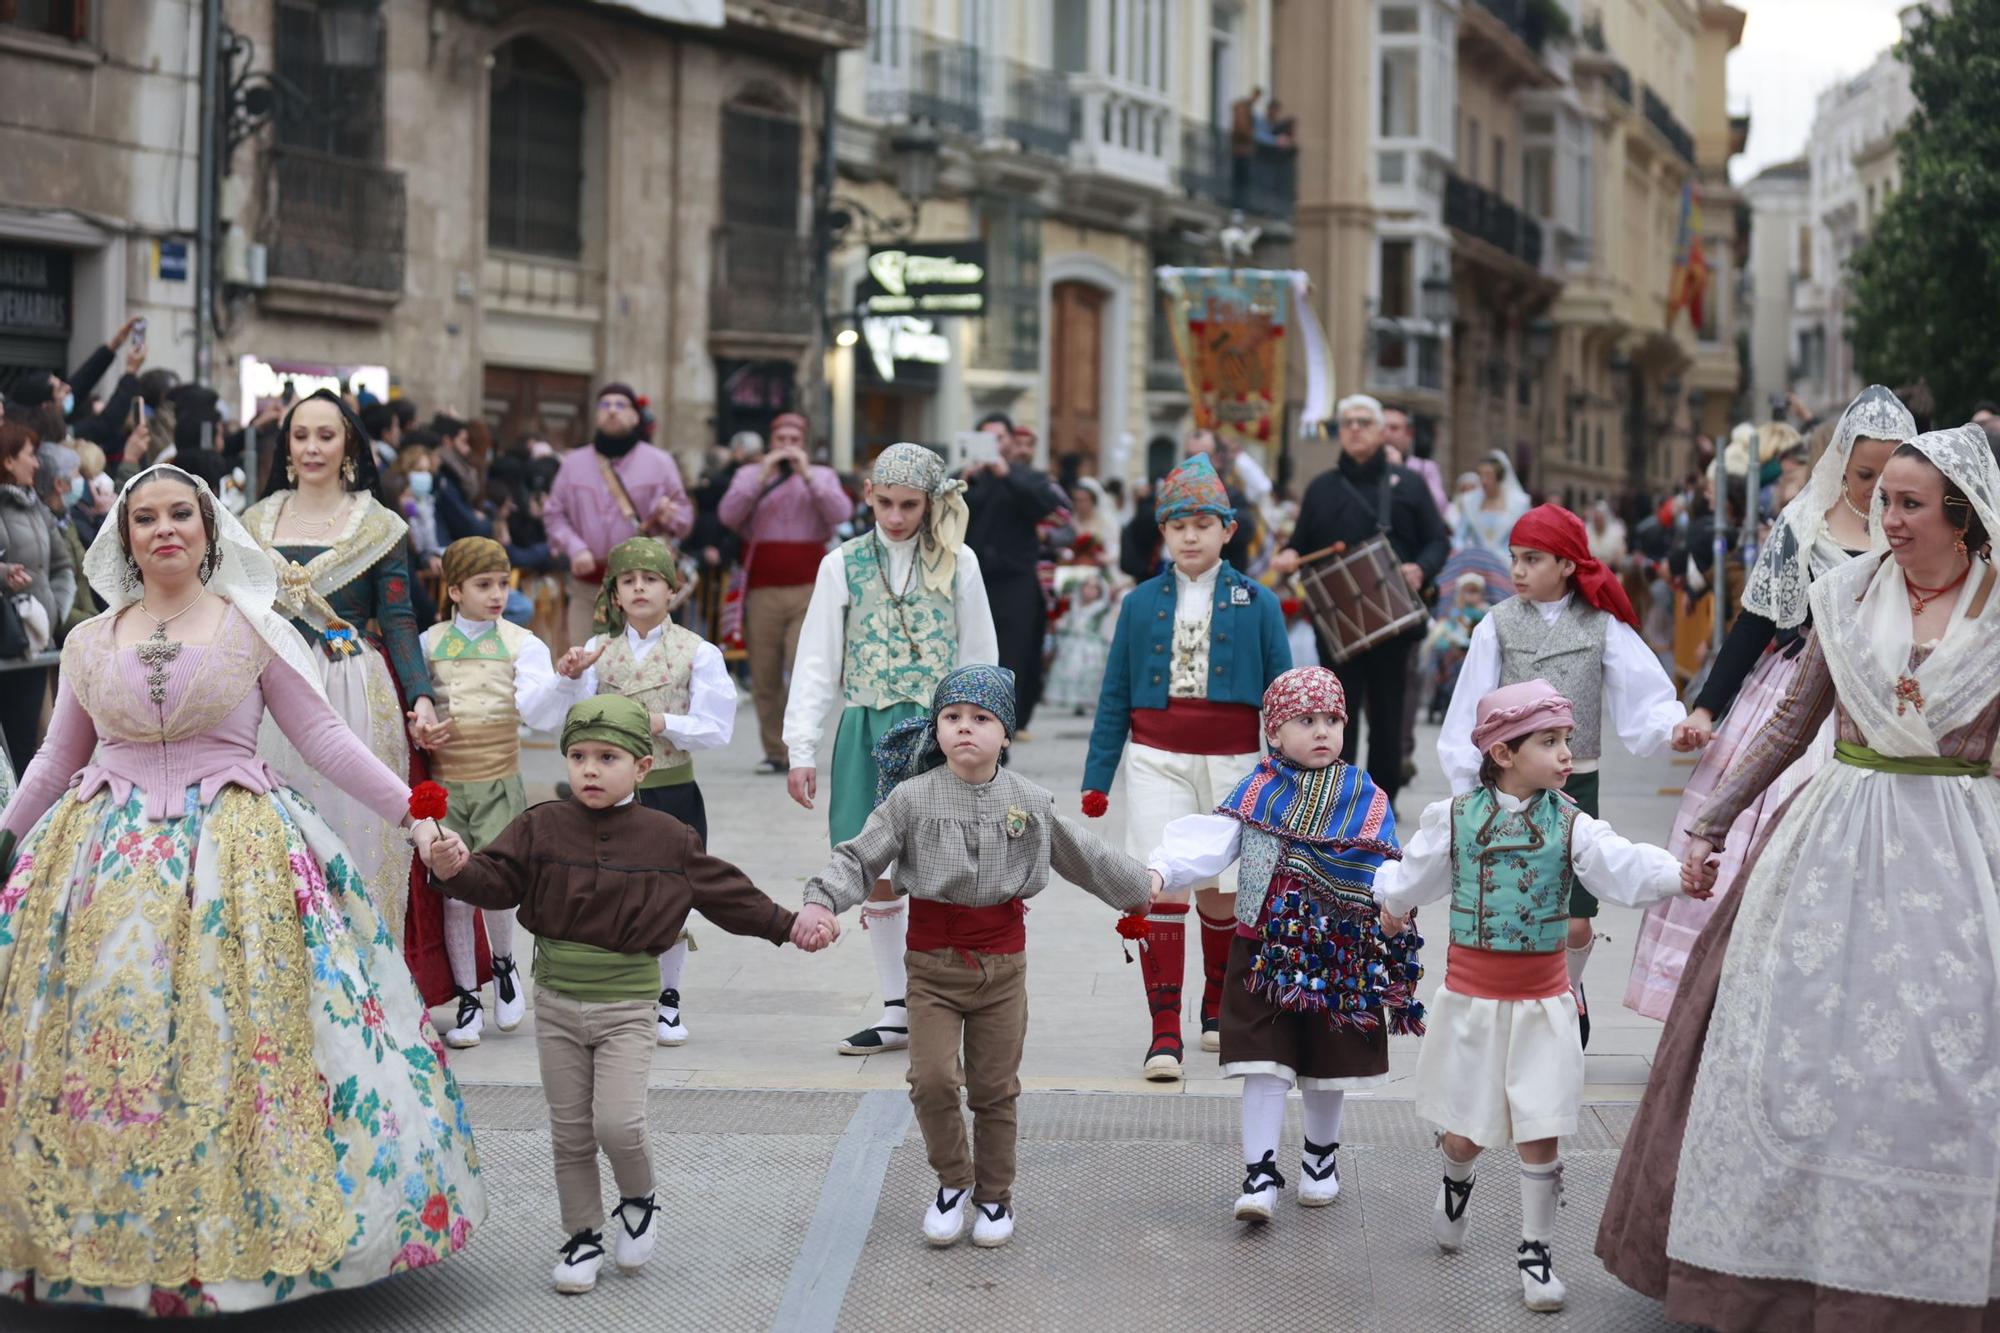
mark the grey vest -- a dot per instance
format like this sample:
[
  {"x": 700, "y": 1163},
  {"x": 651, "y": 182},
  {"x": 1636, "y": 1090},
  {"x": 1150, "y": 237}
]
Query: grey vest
[{"x": 1568, "y": 655}]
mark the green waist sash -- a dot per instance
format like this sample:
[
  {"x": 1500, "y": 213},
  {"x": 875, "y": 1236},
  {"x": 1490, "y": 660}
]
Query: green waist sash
[
  {"x": 1937, "y": 766},
  {"x": 593, "y": 975}
]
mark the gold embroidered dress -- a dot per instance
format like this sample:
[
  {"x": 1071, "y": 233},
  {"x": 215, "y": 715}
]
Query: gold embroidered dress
[
  {"x": 362, "y": 576},
  {"x": 218, "y": 1088}
]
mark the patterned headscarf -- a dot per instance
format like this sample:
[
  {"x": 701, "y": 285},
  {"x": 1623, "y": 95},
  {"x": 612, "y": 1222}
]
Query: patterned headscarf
[
  {"x": 1299, "y": 691},
  {"x": 1190, "y": 489},
  {"x": 628, "y": 555},
  {"x": 946, "y": 517},
  {"x": 910, "y": 747},
  {"x": 612, "y": 719},
  {"x": 470, "y": 556}
]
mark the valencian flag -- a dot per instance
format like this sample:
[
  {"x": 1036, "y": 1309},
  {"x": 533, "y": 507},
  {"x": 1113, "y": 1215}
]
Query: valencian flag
[
  {"x": 1688, "y": 287},
  {"x": 1230, "y": 328}
]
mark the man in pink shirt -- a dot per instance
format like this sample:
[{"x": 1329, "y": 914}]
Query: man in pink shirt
[
  {"x": 786, "y": 512},
  {"x": 618, "y": 488}
]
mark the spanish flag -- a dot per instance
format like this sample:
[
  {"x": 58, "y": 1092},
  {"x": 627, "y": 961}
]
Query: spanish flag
[{"x": 1688, "y": 287}]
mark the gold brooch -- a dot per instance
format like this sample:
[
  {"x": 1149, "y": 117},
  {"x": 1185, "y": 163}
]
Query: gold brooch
[
  {"x": 1908, "y": 695},
  {"x": 1017, "y": 821}
]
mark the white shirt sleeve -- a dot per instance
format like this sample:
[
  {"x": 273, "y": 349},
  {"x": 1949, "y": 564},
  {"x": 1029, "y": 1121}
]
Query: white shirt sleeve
[
  {"x": 1194, "y": 848},
  {"x": 1251, "y": 476},
  {"x": 978, "y": 644},
  {"x": 1640, "y": 699},
  {"x": 1424, "y": 873},
  {"x": 1478, "y": 676},
  {"x": 1618, "y": 870},
  {"x": 817, "y": 665},
  {"x": 711, "y": 716},
  {"x": 541, "y": 697}
]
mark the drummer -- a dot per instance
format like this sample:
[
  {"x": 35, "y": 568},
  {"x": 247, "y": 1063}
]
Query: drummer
[
  {"x": 1344, "y": 505},
  {"x": 1194, "y": 651}
]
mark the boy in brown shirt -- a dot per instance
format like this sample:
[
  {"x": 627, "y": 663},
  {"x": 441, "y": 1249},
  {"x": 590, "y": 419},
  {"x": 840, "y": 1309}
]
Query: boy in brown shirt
[{"x": 605, "y": 884}]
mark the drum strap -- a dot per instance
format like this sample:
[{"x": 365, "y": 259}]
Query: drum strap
[{"x": 1381, "y": 500}]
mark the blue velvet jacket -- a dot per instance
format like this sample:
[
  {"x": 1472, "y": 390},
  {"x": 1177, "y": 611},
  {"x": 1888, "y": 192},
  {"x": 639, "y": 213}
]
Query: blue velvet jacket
[{"x": 1247, "y": 650}]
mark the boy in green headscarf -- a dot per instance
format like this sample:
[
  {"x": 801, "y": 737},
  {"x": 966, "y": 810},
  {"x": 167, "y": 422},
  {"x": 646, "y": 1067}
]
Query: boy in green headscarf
[
  {"x": 491, "y": 677},
  {"x": 681, "y": 681},
  {"x": 606, "y": 884}
]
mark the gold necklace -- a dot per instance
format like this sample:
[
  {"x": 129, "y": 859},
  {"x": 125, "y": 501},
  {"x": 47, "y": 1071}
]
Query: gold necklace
[
  {"x": 158, "y": 650},
  {"x": 310, "y": 527}
]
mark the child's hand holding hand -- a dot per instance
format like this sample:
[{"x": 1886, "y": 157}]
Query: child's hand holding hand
[
  {"x": 1392, "y": 924},
  {"x": 814, "y": 928},
  {"x": 1699, "y": 868},
  {"x": 443, "y": 853},
  {"x": 1156, "y": 887}
]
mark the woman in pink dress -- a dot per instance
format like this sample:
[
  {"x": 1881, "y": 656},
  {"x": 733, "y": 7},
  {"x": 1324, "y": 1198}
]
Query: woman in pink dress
[
  {"x": 217, "y": 1087},
  {"x": 1817, "y": 532}
]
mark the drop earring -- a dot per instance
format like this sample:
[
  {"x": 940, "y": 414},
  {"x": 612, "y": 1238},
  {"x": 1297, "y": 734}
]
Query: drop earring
[
  {"x": 291, "y": 474},
  {"x": 348, "y": 471}
]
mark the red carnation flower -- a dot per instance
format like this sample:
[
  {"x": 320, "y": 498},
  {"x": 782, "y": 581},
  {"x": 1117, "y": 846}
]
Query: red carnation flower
[
  {"x": 428, "y": 801},
  {"x": 1095, "y": 803}
]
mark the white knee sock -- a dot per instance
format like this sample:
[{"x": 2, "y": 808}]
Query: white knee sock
[
  {"x": 1576, "y": 958},
  {"x": 500, "y": 933},
  {"x": 461, "y": 944},
  {"x": 1541, "y": 1189},
  {"x": 1323, "y": 1111},
  {"x": 1455, "y": 1169},
  {"x": 1263, "y": 1115},
  {"x": 671, "y": 963},
  {"x": 887, "y": 927}
]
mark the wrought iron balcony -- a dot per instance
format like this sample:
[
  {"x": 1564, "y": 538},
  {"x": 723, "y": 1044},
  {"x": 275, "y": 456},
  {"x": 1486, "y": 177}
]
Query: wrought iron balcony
[
  {"x": 1265, "y": 183},
  {"x": 333, "y": 220},
  {"x": 914, "y": 75},
  {"x": 1663, "y": 120},
  {"x": 1038, "y": 110},
  {"x": 762, "y": 283},
  {"x": 1521, "y": 19},
  {"x": 1619, "y": 80},
  {"x": 1480, "y": 213}
]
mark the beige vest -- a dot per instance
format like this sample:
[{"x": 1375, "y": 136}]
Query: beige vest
[
  {"x": 474, "y": 679},
  {"x": 663, "y": 681}
]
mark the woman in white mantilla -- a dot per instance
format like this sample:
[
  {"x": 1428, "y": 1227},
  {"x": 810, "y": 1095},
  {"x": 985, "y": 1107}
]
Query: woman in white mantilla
[
  {"x": 1817, "y": 532},
  {"x": 218, "y": 1090},
  {"x": 342, "y": 560},
  {"x": 1819, "y": 1146}
]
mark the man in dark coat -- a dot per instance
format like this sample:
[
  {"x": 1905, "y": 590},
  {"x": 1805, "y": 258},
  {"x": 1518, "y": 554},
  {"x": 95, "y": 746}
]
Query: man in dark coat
[
  {"x": 1343, "y": 504},
  {"x": 1008, "y": 498}
]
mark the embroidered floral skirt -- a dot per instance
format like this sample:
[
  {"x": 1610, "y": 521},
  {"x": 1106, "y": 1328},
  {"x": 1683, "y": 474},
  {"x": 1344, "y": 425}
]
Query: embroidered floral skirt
[{"x": 217, "y": 1088}]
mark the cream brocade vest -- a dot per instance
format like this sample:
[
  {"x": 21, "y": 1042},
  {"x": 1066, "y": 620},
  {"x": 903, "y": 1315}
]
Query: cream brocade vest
[
  {"x": 474, "y": 679},
  {"x": 663, "y": 681}
]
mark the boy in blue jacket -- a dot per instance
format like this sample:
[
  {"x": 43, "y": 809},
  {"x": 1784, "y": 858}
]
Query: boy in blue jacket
[{"x": 1195, "y": 649}]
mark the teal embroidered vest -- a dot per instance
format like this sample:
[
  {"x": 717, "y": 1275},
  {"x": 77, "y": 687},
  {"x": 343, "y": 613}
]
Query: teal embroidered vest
[
  {"x": 898, "y": 647},
  {"x": 1510, "y": 872}
]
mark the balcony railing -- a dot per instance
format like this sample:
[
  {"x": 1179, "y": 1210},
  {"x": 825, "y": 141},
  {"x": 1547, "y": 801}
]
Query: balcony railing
[
  {"x": 1479, "y": 212},
  {"x": 333, "y": 220},
  {"x": 1264, "y": 183},
  {"x": 1663, "y": 120},
  {"x": 914, "y": 75},
  {"x": 1521, "y": 20},
  {"x": 1038, "y": 112},
  {"x": 1010, "y": 333},
  {"x": 761, "y": 283},
  {"x": 1406, "y": 361},
  {"x": 1125, "y": 131},
  {"x": 1619, "y": 80}
]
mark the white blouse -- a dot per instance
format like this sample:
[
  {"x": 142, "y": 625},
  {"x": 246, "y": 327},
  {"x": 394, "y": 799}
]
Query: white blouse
[{"x": 711, "y": 716}]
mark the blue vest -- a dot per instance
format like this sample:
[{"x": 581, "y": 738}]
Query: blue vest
[{"x": 1510, "y": 872}]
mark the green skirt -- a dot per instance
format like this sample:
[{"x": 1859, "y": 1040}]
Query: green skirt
[{"x": 850, "y": 795}]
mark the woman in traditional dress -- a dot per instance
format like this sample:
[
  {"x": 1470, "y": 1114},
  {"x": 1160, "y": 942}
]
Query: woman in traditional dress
[
  {"x": 1487, "y": 516},
  {"x": 217, "y": 1088},
  {"x": 1817, "y": 1148},
  {"x": 342, "y": 559},
  {"x": 1825, "y": 526}
]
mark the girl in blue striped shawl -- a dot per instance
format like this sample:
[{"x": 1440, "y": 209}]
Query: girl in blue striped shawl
[{"x": 1313, "y": 988}]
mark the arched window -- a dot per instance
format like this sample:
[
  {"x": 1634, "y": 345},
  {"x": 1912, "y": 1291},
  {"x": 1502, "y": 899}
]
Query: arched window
[{"x": 534, "y": 153}]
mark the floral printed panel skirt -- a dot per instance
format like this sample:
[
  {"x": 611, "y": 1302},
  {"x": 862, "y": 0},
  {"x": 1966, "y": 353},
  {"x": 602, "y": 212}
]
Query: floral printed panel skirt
[{"x": 218, "y": 1088}]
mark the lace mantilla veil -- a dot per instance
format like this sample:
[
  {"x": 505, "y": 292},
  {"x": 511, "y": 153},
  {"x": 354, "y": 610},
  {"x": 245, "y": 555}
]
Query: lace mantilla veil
[
  {"x": 1782, "y": 575},
  {"x": 246, "y": 578}
]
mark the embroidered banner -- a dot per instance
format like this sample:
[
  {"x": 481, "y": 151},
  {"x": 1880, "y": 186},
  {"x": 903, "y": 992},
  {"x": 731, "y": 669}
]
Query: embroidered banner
[{"x": 1230, "y": 329}]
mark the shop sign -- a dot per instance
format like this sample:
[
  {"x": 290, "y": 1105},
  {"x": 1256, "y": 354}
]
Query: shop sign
[
  {"x": 34, "y": 291},
  {"x": 903, "y": 338},
  {"x": 260, "y": 383},
  {"x": 932, "y": 279}
]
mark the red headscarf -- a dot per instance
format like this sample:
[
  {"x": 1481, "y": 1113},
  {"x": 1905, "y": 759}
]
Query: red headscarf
[{"x": 1554, "y": 529}]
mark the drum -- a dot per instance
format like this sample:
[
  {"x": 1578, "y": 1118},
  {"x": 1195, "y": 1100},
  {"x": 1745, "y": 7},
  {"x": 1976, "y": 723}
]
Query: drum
[{"x": 1358, "y": 598}]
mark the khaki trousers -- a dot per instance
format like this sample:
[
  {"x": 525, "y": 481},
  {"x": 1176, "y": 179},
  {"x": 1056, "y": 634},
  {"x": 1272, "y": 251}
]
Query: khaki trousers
[
  {"x": 771, "y": 621},
  {"x": 986, "y": 1008},
  {"x": 595, "y": 1061},
  {"x": 582, "y": 610}
]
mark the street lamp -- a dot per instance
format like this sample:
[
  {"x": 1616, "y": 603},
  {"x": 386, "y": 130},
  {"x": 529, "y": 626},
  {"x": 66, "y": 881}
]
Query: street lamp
[
  {"x": 915, "y": 150},
  {"x": 1438, "y": 304},
  {"x": 1541, "y": 340},
  {"x": 349, "y": 33}
]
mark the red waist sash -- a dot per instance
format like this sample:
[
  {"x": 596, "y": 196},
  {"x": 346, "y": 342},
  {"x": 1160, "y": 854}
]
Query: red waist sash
[
  {"x": 1490, "y": 974},
  {"x": 969, "y": 930},
  {"x": 785, "y": 564},
  {"x": 1197, "y": 726}
]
